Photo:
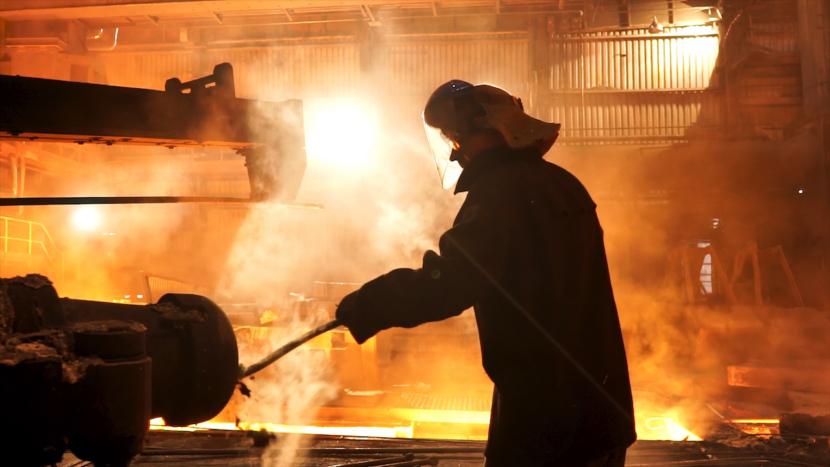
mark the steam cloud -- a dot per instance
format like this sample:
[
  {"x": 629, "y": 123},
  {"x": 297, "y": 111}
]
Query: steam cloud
[{"x": 384, "y": 213}]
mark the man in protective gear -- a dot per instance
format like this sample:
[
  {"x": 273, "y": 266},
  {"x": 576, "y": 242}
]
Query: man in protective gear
[{"x": 526, "y": 252}]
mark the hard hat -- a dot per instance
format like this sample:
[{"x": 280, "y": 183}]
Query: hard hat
[{"x": 459, "y": 108}]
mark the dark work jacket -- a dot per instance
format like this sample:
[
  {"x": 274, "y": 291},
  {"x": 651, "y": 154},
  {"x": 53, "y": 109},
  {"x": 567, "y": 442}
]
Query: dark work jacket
[{"x": 526, "y": 251}]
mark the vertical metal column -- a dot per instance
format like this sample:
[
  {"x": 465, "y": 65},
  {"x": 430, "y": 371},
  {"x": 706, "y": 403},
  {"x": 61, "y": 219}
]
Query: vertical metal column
[
  {"x": 539, "y": 59},
  {"x": 814, "y": 48},
  {"x": 5, "y": 240},
  {"x": 29, "y": 259},
  {"x": 5, "y": 59}
]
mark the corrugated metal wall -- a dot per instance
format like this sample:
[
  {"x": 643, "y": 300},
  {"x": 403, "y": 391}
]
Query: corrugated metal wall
[
  {"x": 148, "y": 69},
  {"x": 417, "y": 68},
  {"x": 768, "y": 88},
  {"x": 644, "y": 117},
  {"x": 273, "y": 73},
  {"x": 631, "y": 86},
  {"x": 605, "y": 87},
  {"x": 780, "y": 36},
  {"x": 814, "y": 41},
  {"x": 414, "y": 68},
  {"x": 285, "y": 72},
  {"x": 682, "y": 58}
]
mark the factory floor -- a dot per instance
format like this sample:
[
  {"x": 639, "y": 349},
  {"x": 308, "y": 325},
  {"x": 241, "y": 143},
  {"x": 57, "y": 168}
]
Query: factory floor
[{"x": 235, "y": 448}]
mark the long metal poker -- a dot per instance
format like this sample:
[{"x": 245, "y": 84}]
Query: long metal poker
[
  {"x": 75, "y": 200},
  {"x": 277, "y": 354}
]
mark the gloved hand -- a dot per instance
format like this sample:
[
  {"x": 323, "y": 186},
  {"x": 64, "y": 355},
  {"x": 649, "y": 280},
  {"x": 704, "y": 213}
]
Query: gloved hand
[{"x": 347, "y": 309}]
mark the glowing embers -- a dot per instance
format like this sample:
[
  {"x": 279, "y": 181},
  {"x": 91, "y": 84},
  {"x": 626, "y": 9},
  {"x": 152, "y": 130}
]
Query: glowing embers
[
  {"x": 339, "y": 134},
  {"x": 659, "y": 427},
  {"x": 360, "y": 431},
  {"x": 656, "y": 418},
  {"x": 426, "y": 425},
  {"x": 664, "y": 429},
  {"x": 373, "y": 410},
  {"x": 757, "y": 426},
  {"x": 363, "y": 431}
]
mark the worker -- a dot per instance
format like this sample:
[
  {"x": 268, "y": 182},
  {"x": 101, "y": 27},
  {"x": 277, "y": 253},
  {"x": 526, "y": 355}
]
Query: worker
[{"x": 526, "y": 252}]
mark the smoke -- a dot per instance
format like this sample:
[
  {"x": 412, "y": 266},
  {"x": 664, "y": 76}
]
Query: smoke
[
  {"x": 369, "y": 165},
  {"x": 727, "y": 195},
  {"x": 96, "y": 251},
  {"x": 274, "y": 255},
  {"x": 287, "y": 393},
  {"x": 370, "y": 180},
  {"x": 384, "y": 208}
]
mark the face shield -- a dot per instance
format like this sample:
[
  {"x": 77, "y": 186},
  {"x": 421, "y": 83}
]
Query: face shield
[
  {"x": 442, "y": 152},
  {"x": 441, "y": 127},
  {"x": 459, "y": 108}
]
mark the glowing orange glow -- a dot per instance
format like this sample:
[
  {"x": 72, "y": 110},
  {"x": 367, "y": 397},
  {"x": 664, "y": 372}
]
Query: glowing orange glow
[
  {"x": 765, "y": 421},
  {"x": 664, "y": 429},
  {"x": 338, "y": 134},
  {"x": 368, "y": 431},
  {"x": 268, "y": 316},
  {"x": 405, "y": 422},
  {"x": 657, "y": 428},
  {"x": 757, "y": 426},
  {"x": 86, "y": 218},
  {"x": 361, "y": 431}
]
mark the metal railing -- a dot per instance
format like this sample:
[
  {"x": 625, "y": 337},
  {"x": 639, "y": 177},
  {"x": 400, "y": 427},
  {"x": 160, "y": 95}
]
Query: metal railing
[{"x": 27, "y": 241}]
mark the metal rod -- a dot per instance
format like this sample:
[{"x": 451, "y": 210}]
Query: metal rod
[
  {"x": 415, "y": 463},
  {"x": 367, "y": 451},
  {"x": 376, "y": 462},
  {"x": 582, "y": 85},
  {"x": 279, "y": 353},
  {"x": 636, "y": 37},
  {"x": 76, "y": 200},
  {"x": 320, "y": 452},
  {"x": 278, "y": 39},
  {"x": 201, "y": 452},
  {"x": 233, "y": 22}
]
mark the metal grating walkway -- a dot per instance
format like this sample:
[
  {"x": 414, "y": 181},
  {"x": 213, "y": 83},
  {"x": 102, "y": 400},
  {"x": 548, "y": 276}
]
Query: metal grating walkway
[{"x": 437, "y": 402}]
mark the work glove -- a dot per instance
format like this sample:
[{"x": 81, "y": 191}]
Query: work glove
[{"x": 347, "y": 309}]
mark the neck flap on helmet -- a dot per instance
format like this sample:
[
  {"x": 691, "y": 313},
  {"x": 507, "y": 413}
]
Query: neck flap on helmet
[{"x": 459, "y": 108}]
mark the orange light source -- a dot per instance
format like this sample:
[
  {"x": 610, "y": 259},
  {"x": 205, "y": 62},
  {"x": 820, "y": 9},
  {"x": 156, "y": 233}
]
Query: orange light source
[
  {"x": 86, "y": 218},
  {"x": 339, "y": 134},
  {"x": 662, "y": 428}
]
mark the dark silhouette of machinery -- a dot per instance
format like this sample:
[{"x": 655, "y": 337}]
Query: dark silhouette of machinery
[
  {"x": 94, "y": 373},
  {"x": 199, "y": 113}
]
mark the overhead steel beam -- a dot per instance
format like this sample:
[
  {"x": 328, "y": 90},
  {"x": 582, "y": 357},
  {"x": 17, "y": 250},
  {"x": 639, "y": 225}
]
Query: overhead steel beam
[
  {"x": 79, "y": 9},
  {"x": 107, "y": 200},
  {"x": 367, "y": 13},
  {"x": 45, "y": 110}
]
